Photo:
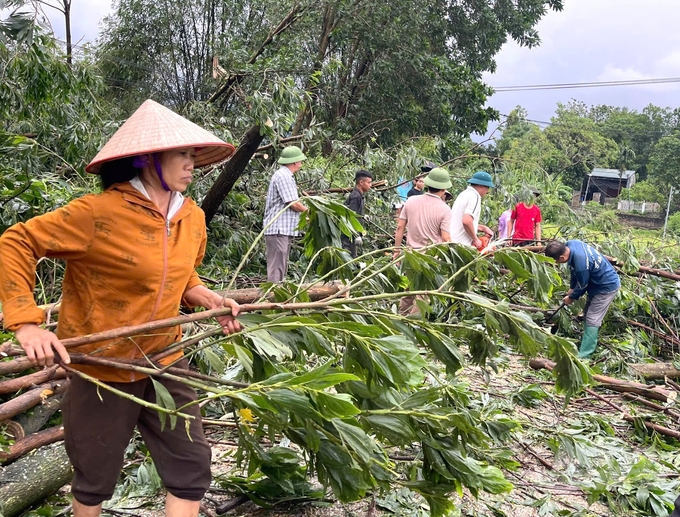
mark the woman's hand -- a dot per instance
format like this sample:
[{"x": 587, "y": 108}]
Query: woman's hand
[
  {"x": 40, "y": 345},
  {"x": 229, "y": 323},
  {"x": 201, "y": 295}
]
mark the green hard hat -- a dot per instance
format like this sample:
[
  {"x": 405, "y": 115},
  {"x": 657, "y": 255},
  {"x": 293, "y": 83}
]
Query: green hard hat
[
  {"x": 481, "y": 178},
  {"x": 438, "y": 178},
  {"x": 291, "y": 154}
]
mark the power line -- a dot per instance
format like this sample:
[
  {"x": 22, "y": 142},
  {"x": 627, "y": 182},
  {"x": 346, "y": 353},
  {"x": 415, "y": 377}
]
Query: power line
[{"x": 593, "y": 84}]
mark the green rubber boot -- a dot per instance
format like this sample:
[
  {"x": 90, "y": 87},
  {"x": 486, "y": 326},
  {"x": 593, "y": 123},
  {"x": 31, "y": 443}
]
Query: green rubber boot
[{"x": 589, "y": 342}]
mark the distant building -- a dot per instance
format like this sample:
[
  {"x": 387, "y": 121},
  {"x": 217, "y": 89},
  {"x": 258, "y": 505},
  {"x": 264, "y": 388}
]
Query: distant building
[{"x": 606, "y": 183}]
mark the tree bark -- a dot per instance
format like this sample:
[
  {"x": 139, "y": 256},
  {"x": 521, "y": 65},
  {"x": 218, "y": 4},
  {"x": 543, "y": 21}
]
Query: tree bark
[
  {"x": 26, "y": 381},
  {"x": 30, "y": 399},
  {"x": 251, "y": 295},
  {"x": 656, "y": 370},
  {"x": 614, "y": 384},
  {"x": 34, "y": 421},
  {"x": 231, "y": 172},
  {"x": 32, "y": 478},
  {"x": 31, "y": 442}
]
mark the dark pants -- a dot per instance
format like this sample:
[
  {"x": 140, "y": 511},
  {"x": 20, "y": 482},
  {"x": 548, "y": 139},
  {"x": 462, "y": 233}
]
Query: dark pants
[
  {"x": 278, "y": 248},
  {"x": 98, "y": 426},
  {"x": 349, "y": 245},
  {"x": 676, "y": 512}
]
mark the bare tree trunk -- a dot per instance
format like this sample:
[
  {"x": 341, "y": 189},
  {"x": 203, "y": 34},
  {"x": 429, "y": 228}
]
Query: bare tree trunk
[
  {"x": 231, "y": 172},
  {"x": 32, "y": 478},
  {"x": 67, "y": 25}
]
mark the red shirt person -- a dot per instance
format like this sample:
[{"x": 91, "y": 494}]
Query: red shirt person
[{"x": 525, "y": 223}]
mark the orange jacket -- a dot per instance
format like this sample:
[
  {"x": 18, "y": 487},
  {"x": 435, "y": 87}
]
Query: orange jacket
[{"x": 124, "y": 266}]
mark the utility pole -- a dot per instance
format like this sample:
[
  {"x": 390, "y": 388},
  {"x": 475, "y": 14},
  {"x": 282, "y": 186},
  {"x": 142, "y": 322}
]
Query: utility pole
[{"x": 668, "y": 209}]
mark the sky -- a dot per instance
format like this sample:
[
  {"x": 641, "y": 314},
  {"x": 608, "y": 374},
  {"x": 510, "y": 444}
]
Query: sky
[
  {"x": 590, "y": 40},
  {"x": 594, "y": 40}
]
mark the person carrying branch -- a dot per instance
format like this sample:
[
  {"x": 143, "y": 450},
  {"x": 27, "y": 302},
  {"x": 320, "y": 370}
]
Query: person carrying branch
[
  {"x": 131, "y": 253},
  {"x": 591, "y": 273}
]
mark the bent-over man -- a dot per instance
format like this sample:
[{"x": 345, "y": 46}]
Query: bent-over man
[{"x": 591, "y": 273}]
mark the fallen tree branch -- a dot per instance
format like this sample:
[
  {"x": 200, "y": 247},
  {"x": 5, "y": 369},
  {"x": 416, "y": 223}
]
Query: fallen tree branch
[
  {"x": 31, "y": 398},
  {"x": 35, "y": 379},
  {"x": 657, "y": 333},
  {"x": 651, "y": 405},
  {"x": 31, "y": 442},
  {"x": 615, "y": 384},
  {"x": 629, "y": 418}
]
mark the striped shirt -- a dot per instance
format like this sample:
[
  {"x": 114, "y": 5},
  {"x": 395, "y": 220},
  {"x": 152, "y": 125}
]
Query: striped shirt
[{"x": 282, "y": 191}]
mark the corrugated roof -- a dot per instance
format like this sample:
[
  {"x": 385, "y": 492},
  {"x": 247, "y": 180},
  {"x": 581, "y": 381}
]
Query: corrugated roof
[{"x": 611, "y": 173}]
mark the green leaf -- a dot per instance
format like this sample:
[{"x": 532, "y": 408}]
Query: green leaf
[{"x": 165, "y": 400}]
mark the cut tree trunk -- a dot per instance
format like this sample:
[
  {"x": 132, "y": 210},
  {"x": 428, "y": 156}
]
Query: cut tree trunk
[
  {"x": 32, "y": 478},
  {"x": 231, "y": 172},
  {"x": 35, "y": 420},
  {"x": 656, "y": 370},
  {"x": 615, "y": 384}
]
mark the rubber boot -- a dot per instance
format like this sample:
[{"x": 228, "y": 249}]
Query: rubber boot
[{"x": 589, "y": 342}]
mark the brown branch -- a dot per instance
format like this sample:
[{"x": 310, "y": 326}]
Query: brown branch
[
  {"x": 629, "y": 418},
  {"x": 35, "y": 379},
  {"x": 31, "y": 442},
  {"x": 614, "y": 384},
  {"x": 30, "y": 399}
]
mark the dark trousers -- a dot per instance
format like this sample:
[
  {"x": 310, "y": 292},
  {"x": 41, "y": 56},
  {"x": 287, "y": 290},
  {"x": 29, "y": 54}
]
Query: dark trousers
[
  {"x": 98, "y": 426},
  {"x": 349, "y": 245},
  {"x": 676, "y": 512},
  {"x": 278, "y": 249}
]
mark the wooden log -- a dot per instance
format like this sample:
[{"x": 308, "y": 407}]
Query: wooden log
[
  {"x": 656, "y": 370},
  {"x": 31, "y": 442},
  {"x": 34, "y": 420},
  {"x": 30, "y": 399},
  {"x": 251, "y": 295},
  {"x": 615, "y": 384},
  {"x": 32, "y": 478},
  {"x": 35, "y": 379}
]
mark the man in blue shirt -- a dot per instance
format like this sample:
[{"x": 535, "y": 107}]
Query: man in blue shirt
[{"x": 591, "y": 273}]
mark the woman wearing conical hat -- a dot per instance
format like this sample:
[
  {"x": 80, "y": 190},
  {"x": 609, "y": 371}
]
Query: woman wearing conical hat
[{"x": 131, "y": 253}]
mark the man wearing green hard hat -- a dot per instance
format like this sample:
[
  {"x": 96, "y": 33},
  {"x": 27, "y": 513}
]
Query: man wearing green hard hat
[
  {"x": 428, "y": 219},
  {"x": 280, "y": 227},
  {"x": 466, "y": 209}
]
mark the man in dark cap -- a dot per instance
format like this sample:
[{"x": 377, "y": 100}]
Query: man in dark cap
[{"x": 355, "y": 201}]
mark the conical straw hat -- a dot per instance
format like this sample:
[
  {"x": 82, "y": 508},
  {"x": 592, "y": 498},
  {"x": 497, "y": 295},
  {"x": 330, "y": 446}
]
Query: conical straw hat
[{"x": 154, "y": 128}]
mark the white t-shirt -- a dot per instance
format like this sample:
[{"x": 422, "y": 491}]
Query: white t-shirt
[{"x": 468, "y": 202}]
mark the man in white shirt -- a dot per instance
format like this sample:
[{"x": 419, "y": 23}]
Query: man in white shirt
[{"x": 466, "y": 209}]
